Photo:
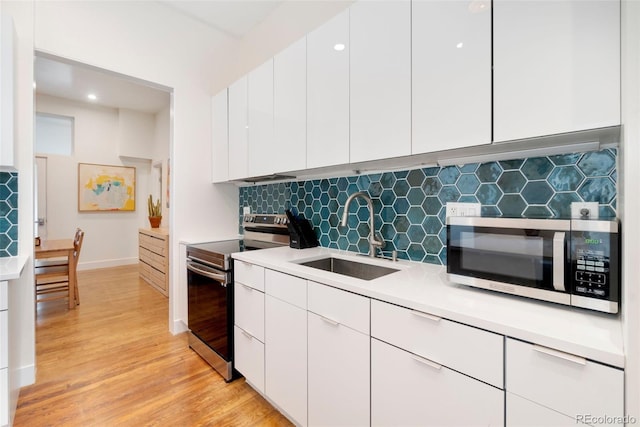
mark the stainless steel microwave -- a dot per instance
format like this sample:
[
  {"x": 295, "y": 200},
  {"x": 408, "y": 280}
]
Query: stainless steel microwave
[{"x": 566, "y": 261}]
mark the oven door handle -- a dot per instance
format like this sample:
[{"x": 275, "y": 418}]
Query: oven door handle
[
  {"x": 559, "y": 261},
  {"x": 222, "y": 278}
]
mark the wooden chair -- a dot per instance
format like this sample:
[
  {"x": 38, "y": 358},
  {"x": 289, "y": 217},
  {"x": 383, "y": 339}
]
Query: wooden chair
[{"x": 52, "y": 279}]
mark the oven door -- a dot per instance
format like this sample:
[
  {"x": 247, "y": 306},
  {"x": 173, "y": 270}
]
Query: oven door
[
  {"x": 497, "y": 253},
  {"x": 210, "y": 307}
]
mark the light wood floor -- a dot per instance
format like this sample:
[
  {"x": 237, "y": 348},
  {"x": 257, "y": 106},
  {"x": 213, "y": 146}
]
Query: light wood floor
[{"x": 113, "y": 362}]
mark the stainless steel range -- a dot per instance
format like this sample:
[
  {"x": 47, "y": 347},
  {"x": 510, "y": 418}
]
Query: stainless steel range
[{"x": 210, "y": 288}]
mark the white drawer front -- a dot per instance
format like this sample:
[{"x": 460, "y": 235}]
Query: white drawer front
[
  {"x": 249, "y": 274},
  {"x": 464, "y": 348},
  {"x": 339, "y": 306},
  {"x": 249, "y": 310},
  {"x": 568, "y": 384},
  {"x": 4, "y": 295},
  {"x": 249, "y": 358},
  {"x": 288, "y": 288},
  {"x": 4, "y": 339},
  {"x": 523, "y": 412},
  {"x": 407, "y": 390}
]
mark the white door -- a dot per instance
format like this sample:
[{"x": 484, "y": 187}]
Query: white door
[{"x": 41, "y": 197}]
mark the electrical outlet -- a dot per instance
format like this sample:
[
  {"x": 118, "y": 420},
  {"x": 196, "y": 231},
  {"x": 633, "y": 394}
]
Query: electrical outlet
[
  {"x": 577, "y": 207},
  {"x": 463, "y": 209},
  {"x": 246, "y": 210}
]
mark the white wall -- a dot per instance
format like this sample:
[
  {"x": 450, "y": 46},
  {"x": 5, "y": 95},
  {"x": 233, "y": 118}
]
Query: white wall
[
  {"x": 110, "y": 237},
  {"x": 630, "y": 201},
  {"x": 21, "y": 307},
  {"x": 161, "y": 150}
]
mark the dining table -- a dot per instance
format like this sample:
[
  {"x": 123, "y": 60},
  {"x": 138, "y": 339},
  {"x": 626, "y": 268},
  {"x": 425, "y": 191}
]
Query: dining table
[{"x": 57, "y": 248}]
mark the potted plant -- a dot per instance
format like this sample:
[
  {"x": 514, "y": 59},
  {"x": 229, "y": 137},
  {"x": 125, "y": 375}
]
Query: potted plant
[{"x": 155, "y": 212}]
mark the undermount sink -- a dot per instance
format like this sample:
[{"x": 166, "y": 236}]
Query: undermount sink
[{"x": 359, "y": 270}]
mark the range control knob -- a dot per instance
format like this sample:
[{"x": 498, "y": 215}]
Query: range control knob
[
  {"x": 284, "y": 221},
  {"x": 277, "y": 221}
]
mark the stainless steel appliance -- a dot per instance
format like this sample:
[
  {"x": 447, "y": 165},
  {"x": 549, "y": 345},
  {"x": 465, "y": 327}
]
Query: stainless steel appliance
[
  {"x": 566, "y": 261},
  {"x": 210, "y": 288}
]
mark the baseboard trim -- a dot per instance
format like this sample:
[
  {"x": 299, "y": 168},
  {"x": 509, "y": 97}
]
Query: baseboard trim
[
  {"x": 25, "y": 376},
  {"x": 91, "y": 265},
  {"x": 178, "y": 327}
]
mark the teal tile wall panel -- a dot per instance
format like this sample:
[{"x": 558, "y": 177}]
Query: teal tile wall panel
[
  {"x": 8, "y": 214},
  {"x": 410, "y": 205}
]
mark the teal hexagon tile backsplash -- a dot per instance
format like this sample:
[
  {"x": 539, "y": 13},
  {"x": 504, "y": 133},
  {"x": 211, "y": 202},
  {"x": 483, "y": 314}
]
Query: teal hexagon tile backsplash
[
  {"x": 409, "y": 206},
  {"x": 8, "y": 214}
]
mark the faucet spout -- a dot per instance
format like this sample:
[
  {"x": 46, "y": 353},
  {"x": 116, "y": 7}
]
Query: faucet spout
[{"x": 374, "y": 242}]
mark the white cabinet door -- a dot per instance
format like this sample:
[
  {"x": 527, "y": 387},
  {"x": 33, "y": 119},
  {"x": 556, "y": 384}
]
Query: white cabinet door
[
  {"x": 328, "y": 50},
  {"x": 238, "y": 132},
  {"x": 409, "y": 390},
  {"x": 558, "y": 380},
  {"x": 523, "y": 412},
  {"x": 249, "y": 357},
  {"x": 290, "y": 108},
  {"x": 260, "y": 90},
  {"x": 380, "y": 79},
  {"x": 451, "y": 75},
  {"x": 220, "y": 134},
  {"x": 556, "y": 67},
  {"x": 286, "y": 357},
  {"x": 338, "y": 374},
  {"x": 7, "y": 145}
]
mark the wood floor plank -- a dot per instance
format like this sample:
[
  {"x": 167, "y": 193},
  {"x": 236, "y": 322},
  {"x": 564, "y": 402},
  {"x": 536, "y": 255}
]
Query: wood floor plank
[{"x": 113, "y": 362}]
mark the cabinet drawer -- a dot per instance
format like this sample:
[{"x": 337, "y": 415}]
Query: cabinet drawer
[
  {"x": 153, "y": 244},
  {"x": 249, "y": 358},
  {"x": 153, "y": 259},
  {"x": 407, "y": 390},
  {"x": 249, "y": 309},
  {"x": 523, "y": 412},
  {"x": 566, "y": 383},
  {"x": 4, "y": 295},
  {"x": 460, "y": 347},
  {"x": 4, "y": 339},
  {"x": 288, "y": 288},
  {"x": 249, "y": 274},
  {"x": 339, "y": 306}
]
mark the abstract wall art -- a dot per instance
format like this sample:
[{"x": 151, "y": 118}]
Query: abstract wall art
[{"x": 106, "y": 188}]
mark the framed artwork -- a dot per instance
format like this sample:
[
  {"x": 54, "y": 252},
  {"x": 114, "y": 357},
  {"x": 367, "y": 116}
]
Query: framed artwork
[{"x": 106, "y": 188}]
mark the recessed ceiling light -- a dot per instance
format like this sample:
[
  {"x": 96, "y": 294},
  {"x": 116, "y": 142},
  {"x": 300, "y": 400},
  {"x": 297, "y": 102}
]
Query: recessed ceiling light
[
  {"x": 338, "y": 47},
  {"x": 92, "y": 96},
  {"x": 459, "y": 45}
]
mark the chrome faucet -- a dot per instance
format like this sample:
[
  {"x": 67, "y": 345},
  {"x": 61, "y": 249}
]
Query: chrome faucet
[{"x": 374, "y": 242}]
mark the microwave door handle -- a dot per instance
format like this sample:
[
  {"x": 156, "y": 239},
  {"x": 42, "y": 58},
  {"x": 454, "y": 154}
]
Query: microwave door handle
[{"x": 558, "y": 261}]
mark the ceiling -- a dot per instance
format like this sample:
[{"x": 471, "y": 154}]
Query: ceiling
[{"x": 234, "y": 18}]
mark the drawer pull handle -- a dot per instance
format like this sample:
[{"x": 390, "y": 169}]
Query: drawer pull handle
[
  {"x": 249, "y": 288},
  {"x": 427, "y": 362},
  {"x": 426, "y": 316},
  {"x": 247, "y": 334},
  {"x": 329, "y": 321},
  {"x": 560, "y": 354}
]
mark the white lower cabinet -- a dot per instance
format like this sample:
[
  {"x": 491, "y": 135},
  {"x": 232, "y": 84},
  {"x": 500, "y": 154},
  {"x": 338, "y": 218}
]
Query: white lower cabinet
[
  {"x": 523, "y": 412},
  {"x": 339, "y": 358},
  {"x": 409, "y": 390},
  {"x": 286, "y": 344},
  {"x": 564, "y": 382},
  {"x": 4, "y": 354}
]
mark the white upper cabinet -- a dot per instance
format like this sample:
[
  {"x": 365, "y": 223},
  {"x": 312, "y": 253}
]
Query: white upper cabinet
[
  {"x": 556, "y": 67},
  {"x": 328, "y": 50},
  {"x": 220, "y": 135},
  {"x": 260, "y": 97},
  {"x": 238, "y": 130},
  {"x": 380, "y": 79},
  {"x": 290, "y": 108},
  {"x": 7, "y": 144},
  {"x": 451, "y": 74}
]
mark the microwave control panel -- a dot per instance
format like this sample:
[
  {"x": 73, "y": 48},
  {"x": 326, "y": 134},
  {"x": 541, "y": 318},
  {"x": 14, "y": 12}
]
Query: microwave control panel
[{"x": 594, "y": 264}]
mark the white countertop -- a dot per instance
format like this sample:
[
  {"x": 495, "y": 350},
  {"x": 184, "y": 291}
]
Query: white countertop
[
  {"x": 425, "y": 287},
  {"x": 11, "y": 267}
]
